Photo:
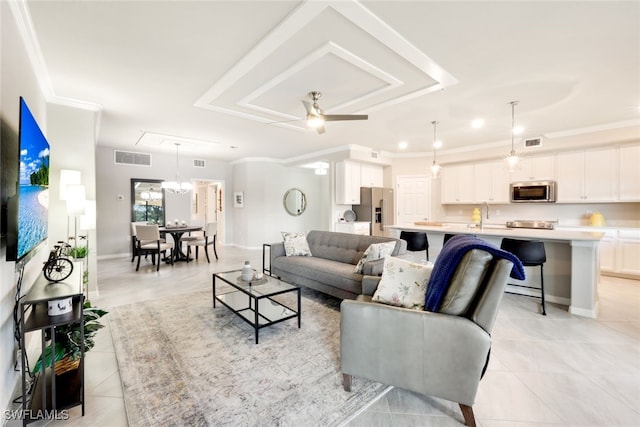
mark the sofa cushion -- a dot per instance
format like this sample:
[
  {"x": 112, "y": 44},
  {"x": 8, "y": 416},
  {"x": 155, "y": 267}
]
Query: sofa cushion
[
  {"x": 345, "y": 247},
  {"x": 375, "y": 251},
  {"x": 403, "y": 283},
  {"x": 295, "y": 244},
  {"x": 466, "y": 281},
  {"x": 332, "y": 273}
]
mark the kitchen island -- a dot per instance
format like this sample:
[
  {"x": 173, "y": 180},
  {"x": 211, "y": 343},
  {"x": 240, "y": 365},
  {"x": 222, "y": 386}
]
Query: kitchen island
[{"x": 572, "y": 270}]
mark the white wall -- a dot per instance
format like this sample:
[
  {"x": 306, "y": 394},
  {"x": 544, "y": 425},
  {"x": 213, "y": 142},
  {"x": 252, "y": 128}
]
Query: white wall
[
  {"x": 263, "y": 217},
  {"x": 17, "y": 79},
  {"x": 71, "y": 135},
  {"x": 112, "y": 181}
]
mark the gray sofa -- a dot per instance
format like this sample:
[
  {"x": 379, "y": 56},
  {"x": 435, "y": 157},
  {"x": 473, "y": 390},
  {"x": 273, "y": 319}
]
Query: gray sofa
[{"x": 331, "y": 268}]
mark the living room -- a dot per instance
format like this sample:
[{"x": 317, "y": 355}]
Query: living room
[{"x": 73, "y": 129}]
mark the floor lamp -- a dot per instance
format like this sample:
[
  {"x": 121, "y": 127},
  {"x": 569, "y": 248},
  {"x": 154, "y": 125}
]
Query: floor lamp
[
  {"x": 87, "y": 223},
  {"x": 68, "y": 177},
  {"x": 76, "y": 202}
]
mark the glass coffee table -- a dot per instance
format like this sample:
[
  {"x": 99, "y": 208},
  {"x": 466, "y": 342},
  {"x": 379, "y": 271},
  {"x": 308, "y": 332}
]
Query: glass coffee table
[{"x": 253, "y": 301}]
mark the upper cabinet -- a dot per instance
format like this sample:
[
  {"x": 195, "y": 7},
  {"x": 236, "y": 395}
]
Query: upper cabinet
[
  {"x": 491, "y": 182},
  {"x": 350, "y": 176},
  {"x": 457, "y": 184},
  {"x": 371, "y": 175},
  {"x": 629, "y": 183},
  {"x": 587, "y": 176},
  {"x": 534, "y": 169}
]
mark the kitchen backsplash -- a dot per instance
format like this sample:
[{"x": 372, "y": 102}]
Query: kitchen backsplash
[{"x": 620, "y": 215}]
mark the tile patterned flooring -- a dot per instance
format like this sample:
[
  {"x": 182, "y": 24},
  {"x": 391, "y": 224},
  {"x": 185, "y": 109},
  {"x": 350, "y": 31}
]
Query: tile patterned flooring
[{"x": 558, "y": 370}]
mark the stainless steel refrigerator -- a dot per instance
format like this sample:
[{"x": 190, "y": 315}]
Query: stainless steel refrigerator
[{"x": 376, "y": 206}]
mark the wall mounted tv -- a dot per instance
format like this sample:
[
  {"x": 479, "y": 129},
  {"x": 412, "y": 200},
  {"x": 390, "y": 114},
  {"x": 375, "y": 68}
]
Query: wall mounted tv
[{"x": 28, "y": 211}]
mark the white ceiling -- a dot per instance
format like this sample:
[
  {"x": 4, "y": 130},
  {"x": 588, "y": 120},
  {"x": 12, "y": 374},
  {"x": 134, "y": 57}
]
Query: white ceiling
[{"x": 219, "y": 74}]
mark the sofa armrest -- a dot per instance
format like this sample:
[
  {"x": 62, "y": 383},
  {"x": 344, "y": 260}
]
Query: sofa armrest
[
  {"x": 369, "y": 284},
  {"x": 277, "y": 250},
  {"x": 429, "y": 353}
]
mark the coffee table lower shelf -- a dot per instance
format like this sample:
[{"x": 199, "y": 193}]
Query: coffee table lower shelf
[{"x": 257, "y": 308}]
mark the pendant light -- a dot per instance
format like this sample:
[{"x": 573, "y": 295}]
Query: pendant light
[
  {"x": 512, "y": 160},
  {"x": 435, "y": 167},
  {"x": 177, "y": 187}
]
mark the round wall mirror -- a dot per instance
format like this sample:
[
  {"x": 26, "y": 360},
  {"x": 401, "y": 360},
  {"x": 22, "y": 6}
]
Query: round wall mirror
[{"x": 295, "y": 201}]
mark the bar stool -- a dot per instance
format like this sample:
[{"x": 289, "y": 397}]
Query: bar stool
[
  {"x": 447, "y": 236},
  {"x": 416, "y": 241},
  {"x": 531, "y": 253}
]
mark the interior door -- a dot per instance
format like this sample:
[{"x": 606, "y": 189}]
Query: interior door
[{"x": 413, "y": 195}]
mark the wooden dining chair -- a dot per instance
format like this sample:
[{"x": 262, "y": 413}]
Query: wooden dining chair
[
  {"x": 149, "y": 242},
  {"x": 207, "y": 239}
]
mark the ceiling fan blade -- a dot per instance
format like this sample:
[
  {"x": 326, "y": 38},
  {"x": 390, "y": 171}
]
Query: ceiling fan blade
[
  {"x": 339, "y": 117},
  {"x": 310, "y": 108}
]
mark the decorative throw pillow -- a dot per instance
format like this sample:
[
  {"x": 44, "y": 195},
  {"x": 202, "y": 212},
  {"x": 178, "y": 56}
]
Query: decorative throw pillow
[
  {"x": 403, "y": 283},
  {"x": 375, "y": 251},
  {"x": 295, "y": 244}
]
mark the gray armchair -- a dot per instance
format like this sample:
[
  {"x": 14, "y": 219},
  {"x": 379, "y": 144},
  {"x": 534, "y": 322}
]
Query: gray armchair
[{"x": 441, "y": 354}]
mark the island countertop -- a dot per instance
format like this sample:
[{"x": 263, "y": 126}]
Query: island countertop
[{"x": 498, "y": 230}]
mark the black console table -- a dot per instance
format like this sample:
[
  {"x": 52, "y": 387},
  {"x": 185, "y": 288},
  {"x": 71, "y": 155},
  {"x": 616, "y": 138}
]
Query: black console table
[{"x": 51, "y": 393}]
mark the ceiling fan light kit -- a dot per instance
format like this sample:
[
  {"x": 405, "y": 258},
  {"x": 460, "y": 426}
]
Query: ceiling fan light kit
[{"x": 316, "y": 117}]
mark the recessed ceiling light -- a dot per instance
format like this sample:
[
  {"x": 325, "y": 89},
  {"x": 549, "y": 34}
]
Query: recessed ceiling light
[
  {"x": 517, "y": 130},
  {"x": 437, "y": 144},
  {"x": 477, "y": 123},
  {"x": 403, "y": 145}
]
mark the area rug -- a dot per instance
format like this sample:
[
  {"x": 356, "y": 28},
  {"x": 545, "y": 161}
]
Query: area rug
[{"x": 182, "y": 362}]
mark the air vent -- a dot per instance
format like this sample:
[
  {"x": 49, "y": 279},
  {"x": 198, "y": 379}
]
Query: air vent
[
  {"x": 533, "y": 142},
  {"x": 198, "y": 163},
  {"x": 131, "y": 158}
]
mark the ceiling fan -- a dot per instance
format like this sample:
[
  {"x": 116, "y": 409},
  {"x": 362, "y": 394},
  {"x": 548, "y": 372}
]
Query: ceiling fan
[{"x": 316, "y": 117}]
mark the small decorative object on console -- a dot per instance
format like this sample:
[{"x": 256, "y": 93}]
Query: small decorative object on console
[{"x": 57, "y": 307}]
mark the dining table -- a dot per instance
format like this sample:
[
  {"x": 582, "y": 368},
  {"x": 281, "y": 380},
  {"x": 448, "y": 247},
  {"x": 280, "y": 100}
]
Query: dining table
[{"x": 177, "y": 232}]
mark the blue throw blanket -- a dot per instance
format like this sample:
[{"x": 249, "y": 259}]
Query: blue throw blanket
[{"x": 449, "y": 259}]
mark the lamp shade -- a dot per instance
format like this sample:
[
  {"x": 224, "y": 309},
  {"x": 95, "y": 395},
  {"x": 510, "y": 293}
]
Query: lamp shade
[
  {"x": 76, "y": 199},
  {"x": 88, "y": 220},
  {"x": 68, "y": 177}
]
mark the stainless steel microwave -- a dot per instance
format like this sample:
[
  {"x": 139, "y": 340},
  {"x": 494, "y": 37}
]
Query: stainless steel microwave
[{"x": 533, "y": 192}]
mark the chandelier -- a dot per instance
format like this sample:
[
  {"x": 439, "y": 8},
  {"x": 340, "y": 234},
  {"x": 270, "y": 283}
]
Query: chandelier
[
  {"x": 177, "y": 187},
  {"x": 435, "y": 167},
  {"x": 512, "y": 160}
]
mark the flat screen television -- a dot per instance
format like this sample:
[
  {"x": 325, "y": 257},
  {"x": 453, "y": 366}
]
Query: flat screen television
[{"x": 28, "y": 211}]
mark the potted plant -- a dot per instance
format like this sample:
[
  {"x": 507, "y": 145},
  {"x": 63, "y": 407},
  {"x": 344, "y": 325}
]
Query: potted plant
[
  {"x": 68, "y": 342},
  {"x": 78, "y": 252}
]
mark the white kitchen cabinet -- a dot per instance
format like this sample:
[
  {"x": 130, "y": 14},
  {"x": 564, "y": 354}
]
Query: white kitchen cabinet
[
  {"x": 371, "y": 175},
  {"x": 608, "y": 248},
  {"x": 457, "y": 184},
  {"x": 357, "y": 227},
  {"x": 587, "y": 176},
  {"x": 348, "y": 183},
  {"x": 629, "y": 252},
  {"x": 539, "y": 168},
  {"x": 491, "y": 182},
  {"x": 629, "y": 173}
]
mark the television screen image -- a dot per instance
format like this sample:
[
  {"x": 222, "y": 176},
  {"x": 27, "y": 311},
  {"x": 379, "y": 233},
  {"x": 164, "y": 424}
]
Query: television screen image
[{"x": 33, "y": 185}]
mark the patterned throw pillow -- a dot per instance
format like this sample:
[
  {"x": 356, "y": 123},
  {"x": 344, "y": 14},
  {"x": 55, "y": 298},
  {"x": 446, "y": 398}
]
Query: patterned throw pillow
[
  {"x": 403, "y": 283},
  {"x": 375, "y": 251},
  {"x": 295, "y": 244}
]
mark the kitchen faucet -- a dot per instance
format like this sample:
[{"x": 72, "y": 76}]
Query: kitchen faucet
[{"x": 481, "y": 216}]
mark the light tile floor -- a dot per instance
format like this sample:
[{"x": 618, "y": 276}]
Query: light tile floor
[{"x": 558, "y": 370}]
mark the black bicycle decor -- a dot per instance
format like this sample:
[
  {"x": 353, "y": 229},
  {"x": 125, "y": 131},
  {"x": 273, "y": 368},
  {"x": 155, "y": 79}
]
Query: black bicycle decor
[{"x": 58, "y": 267}]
